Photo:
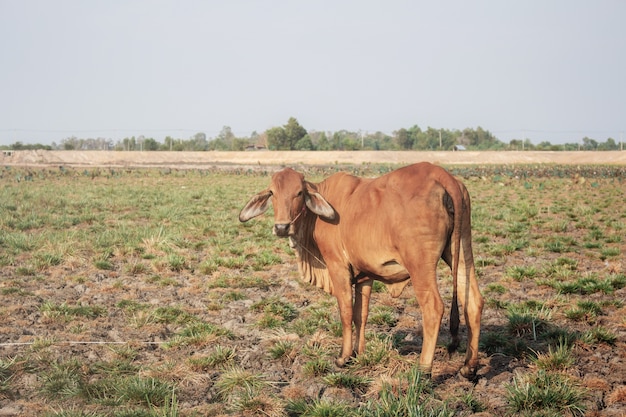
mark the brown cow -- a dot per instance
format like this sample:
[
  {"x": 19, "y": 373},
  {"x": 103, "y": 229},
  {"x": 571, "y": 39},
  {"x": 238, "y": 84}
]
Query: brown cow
[{"x": 349, "y": 231}]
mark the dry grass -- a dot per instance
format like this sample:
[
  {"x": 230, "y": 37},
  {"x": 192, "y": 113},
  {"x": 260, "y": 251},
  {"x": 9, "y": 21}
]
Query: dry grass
[{"x": 156, "y": 267}]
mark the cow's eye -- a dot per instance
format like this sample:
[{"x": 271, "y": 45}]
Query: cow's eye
[{"x": 299, "y": 193}]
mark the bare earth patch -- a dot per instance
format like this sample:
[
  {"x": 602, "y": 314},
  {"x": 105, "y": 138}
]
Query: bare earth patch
[
  {"x": 294, "y": 158},
  {"x": 131, "y": 294}
]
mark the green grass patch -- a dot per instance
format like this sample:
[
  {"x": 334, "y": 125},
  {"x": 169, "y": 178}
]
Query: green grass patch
[
  {"x": 530, "y": 318},
  {"x": 276, "y": 312},
  {"x": 410, "y": 397},
  {"x": 546, "y": 393},
  {"x": 221, "y": 357},
  {"x": 198, "y": 334},
  {"x": 558, "y": 358},
  {"x": 521, "y": 273},
  {"x": 63, "y": 310},
  {"x": 345, "y": 380},
  {"x": 590, "y": 284},
  {"x": 383, "y": 316}
]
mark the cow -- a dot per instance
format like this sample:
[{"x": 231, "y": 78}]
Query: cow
[{"x": 349, "y": 231}]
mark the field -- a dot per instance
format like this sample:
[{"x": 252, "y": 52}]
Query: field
[
  {"x": 132, "y": 291},
  {"x": 226, "y": 160}
]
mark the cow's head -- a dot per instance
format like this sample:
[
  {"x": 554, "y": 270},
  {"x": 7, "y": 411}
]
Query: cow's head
[{"x": 291, "y": 197}]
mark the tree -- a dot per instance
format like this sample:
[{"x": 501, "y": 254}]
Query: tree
[
  {"x": 448, "y": 139},
  {"x": 414, "y": 132},
  {"x": 379, "y": 141},
  {"x": 71, "y": 143},
  {"x": 293, "y": 132},
  {"x": 150, "y": 144},
  {"x": 226, "y": 136},
  {"x": 322, "y": 142},
  {"x": 589, "y": 144},
  {"x": 403, "y": 139},
  {"x": 335, "y": 141},
  {"x": 516, "y": 144},
  {"x": 544, "y": 146},
  {"x": 482, "y": 139},
  {"x": 528, "y": 145},
  {"x": 609, "y": 145},
  {"x": 571, "y": 147},
  {"x": 428, "y": 139},
  {"x": 287, "y": 136},
  {"x": 199, "y": 142},
  {"x": 305, "y": 144},
  {"x": 126, "y": 144},
  {"x": 276, "y": 138},
  {"x": 350, "y": 143},
  {"x": 168, "y": 144}
]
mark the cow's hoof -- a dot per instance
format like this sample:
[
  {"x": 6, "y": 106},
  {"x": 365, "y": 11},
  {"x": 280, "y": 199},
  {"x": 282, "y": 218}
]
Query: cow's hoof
[
  {"x": 341, "y": 362},
  {"x": 469, "y": 372},
  {"x": 426, "y": 371}
]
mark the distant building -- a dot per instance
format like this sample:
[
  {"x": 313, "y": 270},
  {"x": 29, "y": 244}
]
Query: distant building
[
  {"x": 459, "y": 148},
  {"x": 255, "y": 148}
]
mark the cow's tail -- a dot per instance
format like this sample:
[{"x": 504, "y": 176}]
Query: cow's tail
[{"x": 453, "y": 189}]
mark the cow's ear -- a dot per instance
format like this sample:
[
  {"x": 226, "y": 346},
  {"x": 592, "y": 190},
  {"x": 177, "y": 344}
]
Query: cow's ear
[
  {"x": 318, "y": 205},
  {"x": 256, "y": 206}
]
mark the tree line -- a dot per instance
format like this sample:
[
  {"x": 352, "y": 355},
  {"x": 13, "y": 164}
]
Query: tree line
[{"x": 293, "y": 136}]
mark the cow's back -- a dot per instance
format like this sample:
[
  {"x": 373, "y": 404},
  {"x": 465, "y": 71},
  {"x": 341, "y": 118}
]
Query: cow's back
[{"x": 394, "y": 195}]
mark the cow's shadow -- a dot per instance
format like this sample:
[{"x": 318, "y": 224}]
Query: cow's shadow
[{"x": 494, "y": 359}]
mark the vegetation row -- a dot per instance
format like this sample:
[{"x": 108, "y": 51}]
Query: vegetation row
[{"x": 293, "y": 136}]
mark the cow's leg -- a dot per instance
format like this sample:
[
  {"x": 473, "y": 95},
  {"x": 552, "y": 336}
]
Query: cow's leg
[
  {"x": 343, "y": 293},
  {"x": 424, "y": 279},
  {"x": 472, "y": 301},
  {"x": 362, "y": 293}
]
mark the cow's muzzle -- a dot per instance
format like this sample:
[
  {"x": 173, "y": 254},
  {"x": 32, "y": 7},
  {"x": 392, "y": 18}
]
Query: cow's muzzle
[{"x": 282, "y": 230}]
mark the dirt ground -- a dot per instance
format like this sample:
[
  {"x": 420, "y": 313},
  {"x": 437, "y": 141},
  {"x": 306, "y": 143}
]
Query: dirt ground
[
  {"x": 604, "y": 366},
  {"x": 255, "y": 158}
]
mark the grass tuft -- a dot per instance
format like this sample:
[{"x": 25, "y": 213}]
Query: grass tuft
[
  {"x": 559, "y": 358},
  {"x": 528, "y": 319},
  {"x": 345, "y": 380},
  {"x": 546, "y": 392},
  {"x": 320, "y": 408},
  {"x": 276, "y": 312},
  {"x": 237, "y": 382},
  {"x": 198, "y": 334},
  {"x": 409, "y": 396},
  {"x": 281, "y": 349}
]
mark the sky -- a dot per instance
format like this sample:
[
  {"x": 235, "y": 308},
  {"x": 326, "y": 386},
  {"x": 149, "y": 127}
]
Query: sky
[{"x": 545, "y": 70}]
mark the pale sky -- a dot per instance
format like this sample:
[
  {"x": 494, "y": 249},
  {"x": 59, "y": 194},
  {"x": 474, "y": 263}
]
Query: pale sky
[{"x": 543, "y": 69}]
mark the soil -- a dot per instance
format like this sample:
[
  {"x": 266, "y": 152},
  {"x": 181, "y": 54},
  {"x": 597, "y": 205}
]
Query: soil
[
  {"x": 600, "y": 368},
  {"x": 263, "y": 158}
]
